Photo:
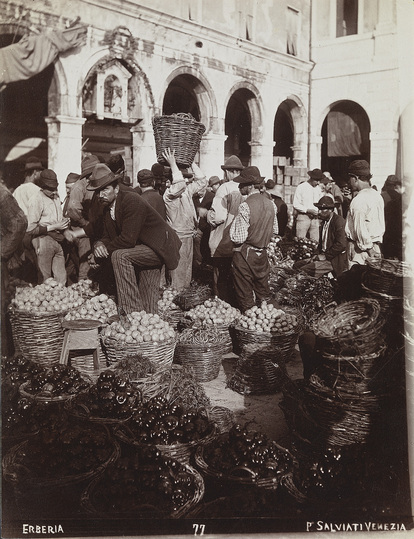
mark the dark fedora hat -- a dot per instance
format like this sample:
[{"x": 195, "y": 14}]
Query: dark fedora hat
[
  {"x": 33, "y": 163},
  {"x": 88, "y": 164},
  {"x": 72, "y": 177},
  {"x": 325, "y": 203},
  {"x": 48, "y": 179},
  {"x": 213, "y": 181},
  {"x": 359, "y": 167},
  {"x": 145, "y": 177},
  {"x": 316, "y": 174},
  {"x": 249, "y": 176},
  {"x": 101, "y": 177},
  {"x": 116, "y": 163},
  {"x": 233, "y": 163}
]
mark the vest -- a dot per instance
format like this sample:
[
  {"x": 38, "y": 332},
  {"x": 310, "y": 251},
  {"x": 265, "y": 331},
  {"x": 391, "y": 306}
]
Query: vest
[{"x": 262, "y": 215}]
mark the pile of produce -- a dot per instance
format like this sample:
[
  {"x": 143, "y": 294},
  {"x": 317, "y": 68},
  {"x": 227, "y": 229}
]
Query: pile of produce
[
  {"x": 59, "y": 381},
  {"x": 302, "y": 249},
  {"x": 243, "y": 449},
  {"x": 48, "y": 297},
  {"x": 213, "y": 312},
  {"x": 64, "y": 449},
  {"x": 166, "y": 301},
  {"x": 193, "y": 295},
  {"x": 201, "y": 336},
  {"x": 274, "y": 252},
  {"x": 139, "y": 327},
  {"x": 143, "y": 483},
  {"x": 267, "y": 318},
  {"x": 293, "y": 288},
  {"x": 135, "y": 367},
  {"x": 96, "y": 308},
  {"x": 85, "y": 287},
  {"x": 159, "y": 422},
  {"x": 112, "y": 397},
  {"x": 17, "y": 369}
]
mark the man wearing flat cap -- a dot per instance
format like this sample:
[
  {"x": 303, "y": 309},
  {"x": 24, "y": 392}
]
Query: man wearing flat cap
[
  {"x": 28, "y": 189},
  {"x": 146, "y": 182},
  {"x": 135, "y": 239},
  {"x": 306, "y": 215},
  {"x": 223, "y": 210},
  {"x": 332, "y": 243},
  {"x": 251, "y": 232},
  {"x": 365, "y": 222},
  {"x": 47, "y": 228}
]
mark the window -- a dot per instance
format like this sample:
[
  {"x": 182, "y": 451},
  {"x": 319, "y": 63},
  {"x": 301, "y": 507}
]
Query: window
[
  {"x": 346, "y": 17},
  {"x": 292, "y": 26},
  {"x": 246, "y": 26}
]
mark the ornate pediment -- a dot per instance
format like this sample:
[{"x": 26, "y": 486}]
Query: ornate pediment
[{"x": 121, "y": 43}]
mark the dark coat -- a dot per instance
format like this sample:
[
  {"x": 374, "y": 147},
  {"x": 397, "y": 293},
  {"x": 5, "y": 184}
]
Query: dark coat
[
  {"x": 155, "y": 200},
  {"x": 336, "y": 244},
  {"x": 136, "y": 222},
  {"x": 282, "y": 214}
]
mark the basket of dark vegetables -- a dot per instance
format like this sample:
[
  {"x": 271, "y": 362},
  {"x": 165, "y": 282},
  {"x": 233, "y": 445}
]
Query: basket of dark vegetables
[
  {"x": 111, "y": 400},
  {"x": 63, "y": 454},
  {"x": 302, "y": 248},
  {"x": 245, "y": 457},
  {"x": 57, "y": 384},
  {"x": 174, "y": 431},
  {"x": 144, "y": 484},
  {"x": 193, "y": 295}
]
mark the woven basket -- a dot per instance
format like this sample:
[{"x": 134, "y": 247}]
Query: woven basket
[
  {"x": 241, "y": 475},
  {"x": 223, "y": 417},
  {"x": 282, "y": 342},
  {"x": 351, "y": 328},
  {"x": 143, "y": 511},
  {"x": 180, "y": 132},
  {"x": 17, "y": 473},
  {"x": 390, "y": 305},
  {"x": 45, "y": 399},
  {"x": 204, "y": 360},
  {"x": 81, "y": 412},
  {"x": 38, "y": 337},
  {"x": 387, "y": 276},
  {"x": 180, "y": 451},
  {"x": 161, "y": 354},
  {"x": 85, "y": 364}
]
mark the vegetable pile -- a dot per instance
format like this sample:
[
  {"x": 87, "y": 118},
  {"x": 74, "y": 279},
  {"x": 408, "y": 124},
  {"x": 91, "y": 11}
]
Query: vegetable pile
[
  {"x": 302, "y": 249},
  {"x": 274, "y": 252},
  {"x": 96, "y": 308},
  {"x": 267, "y": 318},
  {"x": 213, "y": 312},
  {"x": 140, "y": 327},
  {"x": 167, "y": 299},
  {"x": 58, "y": 381},
  {"x": 48, "y": 297}
]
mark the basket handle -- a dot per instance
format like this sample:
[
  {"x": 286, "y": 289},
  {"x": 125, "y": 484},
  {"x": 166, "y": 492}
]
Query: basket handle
[{"x": 250, "y": 472}]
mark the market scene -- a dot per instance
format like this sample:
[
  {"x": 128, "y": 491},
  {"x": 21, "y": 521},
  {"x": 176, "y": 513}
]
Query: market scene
[{"x": 207, "y": 320}]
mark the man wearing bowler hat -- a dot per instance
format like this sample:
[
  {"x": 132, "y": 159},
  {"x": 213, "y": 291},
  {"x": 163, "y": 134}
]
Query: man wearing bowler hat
[
  {"x": 251, "y": 232},
  {"x": 47, "y": 228},
  {"x": 136, "y": 240},
  {"x": 365, "y": 221},
  {"x": 332, "y": 243},
  {"x": 306, "y": 215},
  {"x": 223, "y": 210}
]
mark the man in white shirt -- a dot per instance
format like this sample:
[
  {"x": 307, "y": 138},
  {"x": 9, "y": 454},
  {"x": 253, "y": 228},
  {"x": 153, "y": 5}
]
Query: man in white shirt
[
  {"x": 28, "y": 189},
  {"x": 306, "y": 194},
  {"x": 365, "y": 221}
]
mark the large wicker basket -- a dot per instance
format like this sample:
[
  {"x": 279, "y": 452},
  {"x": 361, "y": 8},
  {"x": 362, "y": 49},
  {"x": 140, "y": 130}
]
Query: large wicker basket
[
  {"x": 161, "y": 354},
  {"x": 280, "y": 342},
  {"x": 180, "y": 132},
  {"x": 204, "y": 360},
  {"x": 387, "y": 276},
  {"x": 38, "y": 337}
]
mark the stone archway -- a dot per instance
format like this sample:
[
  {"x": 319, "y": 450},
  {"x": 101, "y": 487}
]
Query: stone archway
[
  {"x": 289, "y": 132},
  {"x": 345, "y": 137}
]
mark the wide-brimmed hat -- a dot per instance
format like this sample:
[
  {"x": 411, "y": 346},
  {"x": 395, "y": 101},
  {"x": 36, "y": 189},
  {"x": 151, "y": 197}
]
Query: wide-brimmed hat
[
  {"x": 214, "y": 180},
  {"x": 274, "y": 189},
  {"x": 72, "y": 177},
  {"x": 145, "y": 177},
  {"x": 325, "y": 203},
  {"x": 249, "y": 176},
  {"x": 102, "y": 176},
  {"x": 89, "y": 162},
  {"x": 48, "y": 179},
  {"x": 116, "y": 163},
  {"x": 232, "y": 163},
  {"x": 360, "y": 167},
  {"x": 33, "y": 163},
  {"x": 316, "y": 174}
]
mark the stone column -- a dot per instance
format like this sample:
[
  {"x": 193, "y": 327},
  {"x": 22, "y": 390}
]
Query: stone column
[
  {"x": 212, "y": 154},
  {"x": 143, "y": 149},
  {"x": 315, "y": 147},
  {"x": 64, "y": 147},
  {"x": 383, "y": 156},
  {"x": 262, "y": 157}
]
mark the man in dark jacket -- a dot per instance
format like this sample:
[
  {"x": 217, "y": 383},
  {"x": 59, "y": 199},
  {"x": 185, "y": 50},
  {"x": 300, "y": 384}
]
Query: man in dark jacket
[
  {"x": 251, "y": 232},
  {"x": 275, "y": 192},
  {"x": 146, "y": 182},
  {"x": 136, "y": 239},
  {"x": 332, "y": 243}
]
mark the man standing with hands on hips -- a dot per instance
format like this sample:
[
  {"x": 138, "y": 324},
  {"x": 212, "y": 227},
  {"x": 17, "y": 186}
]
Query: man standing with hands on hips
[{"x": 365, "y": 221}]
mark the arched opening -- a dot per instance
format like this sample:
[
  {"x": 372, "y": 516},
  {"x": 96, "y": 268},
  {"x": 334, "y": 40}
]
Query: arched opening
[
  {"x": 181, "y": 96},
  {"x": 238, "y": 125},
  {"x": 23, "y": 108},
  {"x": 283, "y": 133},
  {"x": 345, "y": 137}
]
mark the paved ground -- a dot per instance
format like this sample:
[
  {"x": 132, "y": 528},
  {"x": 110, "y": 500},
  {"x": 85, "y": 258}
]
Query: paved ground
[{"x": 262, "y": 411}]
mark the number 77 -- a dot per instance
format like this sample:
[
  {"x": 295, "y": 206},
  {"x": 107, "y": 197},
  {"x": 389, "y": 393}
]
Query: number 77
[{"x": 199, "y": 529}]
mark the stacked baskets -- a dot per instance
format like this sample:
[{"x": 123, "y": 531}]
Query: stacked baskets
[{"x": 180, "y": 132}]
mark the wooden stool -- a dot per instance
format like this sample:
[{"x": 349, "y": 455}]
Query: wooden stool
[{"x": 81, "y": 335}]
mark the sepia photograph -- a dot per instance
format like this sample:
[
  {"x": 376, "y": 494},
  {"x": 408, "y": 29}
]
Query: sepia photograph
[{"x": 207, "y": 262}]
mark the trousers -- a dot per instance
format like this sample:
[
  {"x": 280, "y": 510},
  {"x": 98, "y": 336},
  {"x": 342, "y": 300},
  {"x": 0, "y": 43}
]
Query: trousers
[
  {"x": 50, "y": 258},
  {"x": 251, "y": 276},
  {"x": 305, "y": 225},
  {"x": 181, "y": 276},
  {"x": 137, "y": 277}
]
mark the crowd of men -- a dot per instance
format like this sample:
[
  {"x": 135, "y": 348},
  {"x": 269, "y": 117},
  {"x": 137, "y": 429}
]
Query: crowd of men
[{"x": 134, "y": 240}]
